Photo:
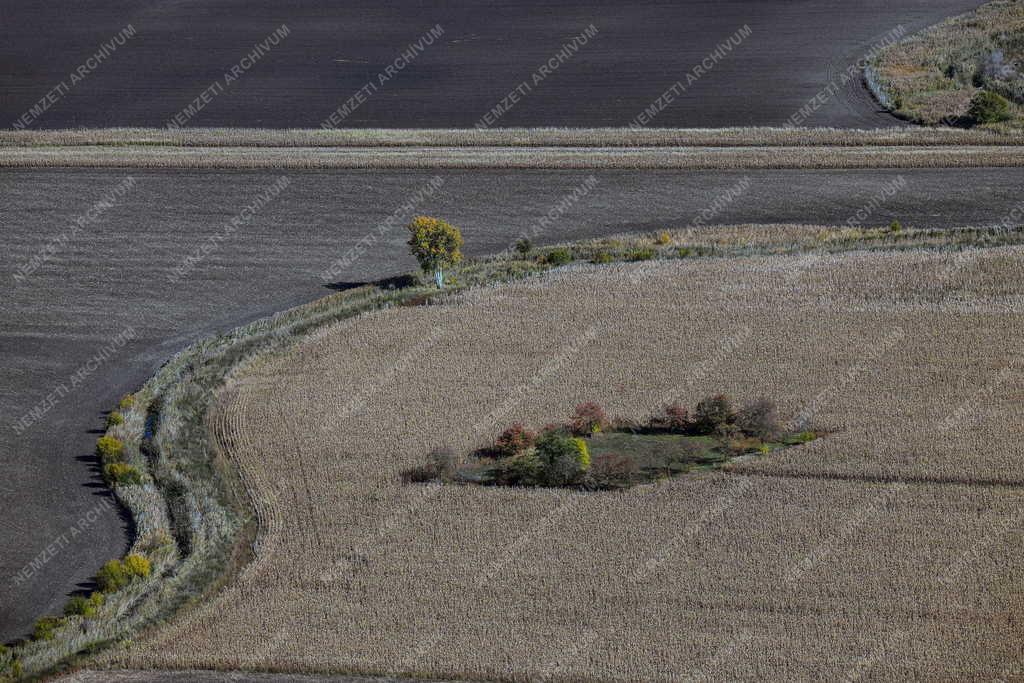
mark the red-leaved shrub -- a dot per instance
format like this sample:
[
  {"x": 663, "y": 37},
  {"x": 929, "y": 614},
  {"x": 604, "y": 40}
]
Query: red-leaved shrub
[
  {"x": 677, "y": 417},
  {"x": 588, "y": 419},
  {"x": 514, "y": 440}
]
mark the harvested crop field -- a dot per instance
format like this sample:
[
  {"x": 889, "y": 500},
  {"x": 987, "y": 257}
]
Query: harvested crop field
[
  {"x": 880, "y": 552},
  {"x": 112, "y": 277}
]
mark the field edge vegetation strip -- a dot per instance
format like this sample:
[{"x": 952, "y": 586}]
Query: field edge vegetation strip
[
  {"x": 961, "y": 72},
  {"x": 504, "y": 158},
  {"x": 507, "y": 137},
  {"x": 195, "y": 524}
]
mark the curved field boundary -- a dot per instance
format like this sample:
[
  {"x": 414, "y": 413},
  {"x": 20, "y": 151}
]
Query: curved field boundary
[
  {"x": 688, "y": 158},
  {"x": 193, "y": 515},
  {"x": 929, "y": 78},
  {"x": 507, "y": 137},
  {"x": 353, "y": 492}
]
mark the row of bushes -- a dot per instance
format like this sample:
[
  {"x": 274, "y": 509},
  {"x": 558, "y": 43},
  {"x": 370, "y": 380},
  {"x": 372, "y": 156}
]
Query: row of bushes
[
  {"x": 714, "y": 415},
  {"x": 560, "y": 256},
  {"x": 554, "y": 457},
  {"x": 111, "y": 452},
  {"x": 115, "y": 574},
  {"x": 112, "y": 577}
]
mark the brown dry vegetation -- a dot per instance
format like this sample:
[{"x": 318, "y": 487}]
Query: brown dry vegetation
[
  {"x": 696, "y": 158},
  {"x": 504, "y": 137},
  {"x": 885, "y": 551},
  {"x": 930, "y": 77}
]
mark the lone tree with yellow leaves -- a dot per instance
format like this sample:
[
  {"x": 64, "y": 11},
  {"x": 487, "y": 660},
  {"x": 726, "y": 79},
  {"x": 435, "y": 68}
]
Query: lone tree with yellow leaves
[{"x": 436, "y": 245}]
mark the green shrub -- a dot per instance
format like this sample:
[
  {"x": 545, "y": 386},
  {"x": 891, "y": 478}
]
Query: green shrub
[
  {"x": 46, "y": 627},
  {"x": 109, "y": 449},
  {"x": 988, "y": 107},
  {"x": 713, "y": 414},
  {"x": 114, "y": 418},
  {"x": 126, "y": 402},
  {"x": 121, "y": 473},
  {"x": 136, "y": 564},
  {"x": 895, "y": 226},
  {"x": 84, "y": 606},
  {"x": 112, "y": 576},
  {"x": 645, "y": 254},
  {"x": 558, "y": 256},
  {"x": 684, "y": 252},
  {"x": 563, "y": 458},
  {"x": 524, "y": 246},
  {"x": 802, "y": 437},
  {"x": 602, "y": 257},
  {"x": 526, "y": 469}
]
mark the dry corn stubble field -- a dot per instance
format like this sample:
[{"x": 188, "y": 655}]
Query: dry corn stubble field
[{"x": 800, "y": 566}]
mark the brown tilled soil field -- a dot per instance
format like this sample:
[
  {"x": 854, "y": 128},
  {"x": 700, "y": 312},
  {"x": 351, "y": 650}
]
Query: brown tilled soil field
[{"x": 884, "y": 551}]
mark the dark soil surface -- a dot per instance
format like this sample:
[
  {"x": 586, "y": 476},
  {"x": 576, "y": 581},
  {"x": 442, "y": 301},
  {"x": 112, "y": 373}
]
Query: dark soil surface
[
  {"x": 113, "y": 276},
  {"x": 182, "y": 48}
]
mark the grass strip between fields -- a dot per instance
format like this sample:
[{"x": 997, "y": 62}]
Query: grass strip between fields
[
  {"x": 684, "y": 158},
  {"x": 194, "y": 520},
  {"x": 509, "y": 137}
]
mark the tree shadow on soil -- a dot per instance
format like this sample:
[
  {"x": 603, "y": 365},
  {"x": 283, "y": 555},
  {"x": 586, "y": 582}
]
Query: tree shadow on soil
[{"x": 394, "y": 282}]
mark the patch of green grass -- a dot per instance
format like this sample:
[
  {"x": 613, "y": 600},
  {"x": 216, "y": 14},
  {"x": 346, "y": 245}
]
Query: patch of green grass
[
  {"x": 801, "y": 437},
  {"x": 622, "y": 458},
  {"x": 657, "y": 455},
  {"x": 660, "y": 452}
]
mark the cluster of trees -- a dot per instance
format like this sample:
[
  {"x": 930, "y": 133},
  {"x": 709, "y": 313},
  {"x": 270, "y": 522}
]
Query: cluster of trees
[{"x": 559, "y": 455}]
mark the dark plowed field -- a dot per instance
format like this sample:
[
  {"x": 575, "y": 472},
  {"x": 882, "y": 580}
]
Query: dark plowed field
[{"x": 333, "y": 50}]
